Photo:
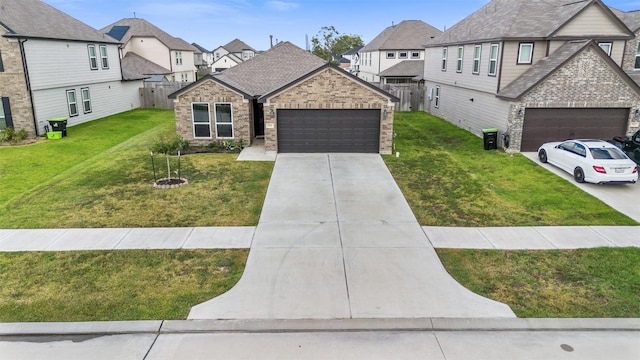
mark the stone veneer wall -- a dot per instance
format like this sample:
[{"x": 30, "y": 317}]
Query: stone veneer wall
[
  {"x": 329, "y": 89},
  {"x": 629, "y": 56},
  {"x": 211, "y": 92},
  {"x": 586, "y": 81},
  {"x": 14, "y": 86}
]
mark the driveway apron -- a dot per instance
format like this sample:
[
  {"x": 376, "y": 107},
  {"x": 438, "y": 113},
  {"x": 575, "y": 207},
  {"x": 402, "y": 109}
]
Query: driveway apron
[{"x": 336, "y": 240}]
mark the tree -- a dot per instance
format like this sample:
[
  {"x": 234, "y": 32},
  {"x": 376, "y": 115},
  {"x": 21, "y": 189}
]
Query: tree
[{"x": 328, "y": 42}]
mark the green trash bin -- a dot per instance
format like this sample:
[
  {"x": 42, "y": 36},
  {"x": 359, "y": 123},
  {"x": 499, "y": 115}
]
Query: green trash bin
[
  {"x": 490, "y": 138},
  {"x": 58, "y": 124}
]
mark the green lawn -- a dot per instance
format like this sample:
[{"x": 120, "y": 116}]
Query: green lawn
[{"x": 449, "y": 180}]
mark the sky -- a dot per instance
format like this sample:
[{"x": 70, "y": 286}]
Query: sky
[{"x": 213, "y": 23}]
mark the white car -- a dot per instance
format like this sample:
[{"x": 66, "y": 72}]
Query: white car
[{"x": 593, "y": 161}]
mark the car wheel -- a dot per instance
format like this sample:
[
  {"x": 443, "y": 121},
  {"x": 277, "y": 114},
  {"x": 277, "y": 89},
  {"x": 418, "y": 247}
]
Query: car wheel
[
  {"x": 578, "y": 175},
  {"x": 542, "y": 155}
]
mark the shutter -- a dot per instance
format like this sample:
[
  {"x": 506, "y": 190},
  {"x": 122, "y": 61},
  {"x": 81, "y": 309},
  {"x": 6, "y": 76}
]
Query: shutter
[{"x": 7, "y": 112}]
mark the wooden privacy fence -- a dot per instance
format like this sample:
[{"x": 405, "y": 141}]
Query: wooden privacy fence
[
  {"x": 411, "y": 96},
  {"x": 157, "y": 96}
]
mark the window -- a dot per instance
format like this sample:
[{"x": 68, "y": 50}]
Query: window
[
  {"x": 1, "y": 65},
  {"x": 415, "y": 55},
  {"x": 224, "y": 121},
  {"x": 5, "y": 114},
  {"x": 86, "y": 100},
  {"x": 476, "y": 58},
  {"x": 444, "y": 59},
  {"x": 201, "y": 120},
  {"x": 391, "y": 55},
  {"x": 403, "y": 55},
  {"x": 606, "y": 46},
  {"x": 93, "y": 58},
  {"x": 72, "y": 103},
  {"x": 493, "y": 60},
  {"x": 459, "y": 61},
  {"x": 525, "y": 54},
  {"x": 104, "y": 60},
  {"x": 437, "y": 97},
  {"x": 637, "y": 63},
  {"x": 178, "y": 57}
]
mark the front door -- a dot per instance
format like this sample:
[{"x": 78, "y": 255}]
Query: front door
[{"x": 258, "y": 118}]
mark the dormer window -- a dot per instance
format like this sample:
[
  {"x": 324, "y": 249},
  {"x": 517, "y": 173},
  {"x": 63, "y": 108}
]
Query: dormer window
[
  {"x": 606, "y": 46},
  {"x": 525, "y": 54}
]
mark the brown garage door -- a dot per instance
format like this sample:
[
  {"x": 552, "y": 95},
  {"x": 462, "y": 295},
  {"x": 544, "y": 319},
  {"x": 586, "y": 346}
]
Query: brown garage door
[
  {"x": 329, "y": 131},
  {"x": 544, "y": 125}
]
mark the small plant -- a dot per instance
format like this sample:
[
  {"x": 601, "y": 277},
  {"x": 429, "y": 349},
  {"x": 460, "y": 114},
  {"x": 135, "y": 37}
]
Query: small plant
[
  {"x": 8, "y": 134},
  {"x": 22, "y": 135},
  {"x": 168, "y": 145}
]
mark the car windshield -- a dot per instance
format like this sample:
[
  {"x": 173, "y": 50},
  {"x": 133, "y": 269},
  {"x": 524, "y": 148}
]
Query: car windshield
[{"x": 608, "y": 153}]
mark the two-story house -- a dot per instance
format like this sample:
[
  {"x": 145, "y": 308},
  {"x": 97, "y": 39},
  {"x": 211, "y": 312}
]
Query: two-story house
[
  {"x": 401, "y": 43},
  {"x": 52, "y": 65},
  {"x": 153, "y": 44},
  {"x": 538, "y": 71},
  {"x": 231, "y": 54}
]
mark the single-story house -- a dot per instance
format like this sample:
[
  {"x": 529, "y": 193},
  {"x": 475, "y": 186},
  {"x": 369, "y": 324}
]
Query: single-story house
[{"x": 293, "y": 99}]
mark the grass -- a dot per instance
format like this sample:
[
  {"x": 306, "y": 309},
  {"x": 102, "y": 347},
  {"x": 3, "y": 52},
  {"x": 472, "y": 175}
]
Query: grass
[
  {"x": 101, "y": 176},
  {"x": 449, "y": 180},
  {"x": 603, "y": 282},
  {"x": 113, "y": 285}
]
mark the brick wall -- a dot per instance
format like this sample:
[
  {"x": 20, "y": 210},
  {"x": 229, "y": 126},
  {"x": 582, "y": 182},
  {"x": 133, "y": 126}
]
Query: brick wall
[
  {"x": 208, "y": 91},
  {"x": 586, "y": 81},
  {"x": 13, "y": 85},
  {"x": 329, "y": 89}
]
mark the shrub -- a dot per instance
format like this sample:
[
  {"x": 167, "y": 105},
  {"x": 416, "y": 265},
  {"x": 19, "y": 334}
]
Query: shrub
[{"x": 169, "y": 144}]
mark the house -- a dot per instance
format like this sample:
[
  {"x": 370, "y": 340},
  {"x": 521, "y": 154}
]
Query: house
[
  {"x": 134, "y": 65},
  {"x": 225, "y": 61},
  {"x": 295, "y": 100},
  {"x": 52, "y": 65},
  {"x": 538, "y": 71},
  {"x": 236, "y": 47},
  {"x": 144, "y": 39},
  {"x": 349, "y": 59},
  {"x": 399, "y": 43},
  {"x": 204, "y": 58}
]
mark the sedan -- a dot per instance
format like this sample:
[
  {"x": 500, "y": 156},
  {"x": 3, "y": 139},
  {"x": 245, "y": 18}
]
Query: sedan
[{"x": 593, "y": 161}]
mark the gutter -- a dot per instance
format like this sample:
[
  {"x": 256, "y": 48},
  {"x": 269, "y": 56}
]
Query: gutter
[{"x": 28, "y": 83}]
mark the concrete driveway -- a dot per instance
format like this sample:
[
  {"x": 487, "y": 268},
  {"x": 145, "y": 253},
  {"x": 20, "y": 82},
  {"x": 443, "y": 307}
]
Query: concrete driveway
[
  {"x": 625, "y": 198},
  {"x": 337, "y": 240}
]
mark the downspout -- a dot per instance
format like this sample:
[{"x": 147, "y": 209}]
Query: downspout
[
  {"x": 500, "y": 70},
  {"x": 28, "y": 83}
]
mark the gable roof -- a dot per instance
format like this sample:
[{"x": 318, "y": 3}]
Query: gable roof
[
  {"x": 352, "y": 51},
  {"x": 517, "y": 19},
  {"x": 547, "y": 66},
  {"x": 203, "y": 50},
  {"x": 135, "y": 66},
  {"x": 237, "y": 46},
  {"x": 630, "y": 18},
  {"x": 143, "y": 28},
  {"x": 405, "y": 68},
  {"x": 408, "y": 34},
  {"x": 35, "y": 19}
]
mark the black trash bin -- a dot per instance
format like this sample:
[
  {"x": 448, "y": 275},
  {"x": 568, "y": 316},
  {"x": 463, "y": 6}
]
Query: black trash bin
[
  {"x": 490, "y": 138},
  {"x": 59, "y": 124}
]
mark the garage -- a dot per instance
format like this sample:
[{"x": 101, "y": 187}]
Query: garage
[
  {"x": 557, "y": 124},
  {"x": 323, "y": 130}
]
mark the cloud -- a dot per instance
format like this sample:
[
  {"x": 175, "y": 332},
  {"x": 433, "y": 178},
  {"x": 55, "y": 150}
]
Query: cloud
[{"x": 282, "y": 5}]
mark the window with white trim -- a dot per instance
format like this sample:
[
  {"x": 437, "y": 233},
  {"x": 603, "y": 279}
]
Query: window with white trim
[
  {"x": 493, "y": 60},
  {"x": 224, "y": 121},
  {"x": 606, "y": 46},
  {"x": 477, "y": 50},
  {"x": 201, "y": 120},
  {"x": 391, "y": 55},
  {"x": 86, "y": 100},
  {"x": 636, "y": 66},
  {"x": 93, "y": 57},
  {"x": 525, "y": 53},
  {"x": 444, "y": 59},
  {"x": 178, "y": 57},
  {"x": 403, "y": 55},
  {"x": 436, "y": 97},
  {"x": 415, "y": 55},
  {"x": 459, "y": 60},
  {"x": 104, "y": 59},
  {"x": 5, "y": 113},
  {"x": 72, "y": 102}
]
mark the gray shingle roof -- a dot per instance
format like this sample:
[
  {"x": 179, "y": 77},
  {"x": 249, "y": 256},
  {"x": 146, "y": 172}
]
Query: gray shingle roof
[
  {"x": 408, "y": 34},
  {"x": 630, "y": 18},
  {"x": 405, "y": 68},
  {"x": 237, "y": 46},
  {"x": 143, "y": 28},
  {"x": 135, "y": 66},
  {"x": 35, "y": 19},
  {"x": 271, "y": 70},
  {"x": 514, "y": 19},
  {"x": 203, "y": 50}
]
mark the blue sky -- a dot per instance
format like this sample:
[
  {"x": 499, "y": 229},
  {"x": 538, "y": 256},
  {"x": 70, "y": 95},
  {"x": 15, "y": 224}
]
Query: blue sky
[{"x": 212, "y": 23}]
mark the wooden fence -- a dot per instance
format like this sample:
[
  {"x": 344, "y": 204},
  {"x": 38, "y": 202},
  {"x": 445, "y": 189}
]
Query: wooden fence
[
  {"x": 157, "y": 96},
  {"x": 411, "y": 96}
]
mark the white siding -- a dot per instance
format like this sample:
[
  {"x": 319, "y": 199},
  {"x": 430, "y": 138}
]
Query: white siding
[
  {"x": 106, "y": 99},
  {"x": 510, "y": 68},
  {"x": 466, "y": 79},
  {"x": 370, "y": 66},
  {"x": 65, "y": 63},
  {"x": 151, "y": 49},
  {"x": 592, "y": 22}
]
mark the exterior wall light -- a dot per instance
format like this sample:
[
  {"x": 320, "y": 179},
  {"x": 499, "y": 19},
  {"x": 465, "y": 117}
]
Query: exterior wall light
[
  {"x": 384, "y": 113},
  {"x": 271, "y": 113}
]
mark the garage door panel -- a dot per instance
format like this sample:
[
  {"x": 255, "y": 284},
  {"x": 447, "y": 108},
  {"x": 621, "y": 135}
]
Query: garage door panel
[
  {"x": 329, "y": 130},
  {"x": 558, "y": 124}
]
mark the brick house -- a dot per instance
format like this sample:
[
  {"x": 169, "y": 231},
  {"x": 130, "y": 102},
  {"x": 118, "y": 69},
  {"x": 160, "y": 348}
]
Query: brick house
[
  {"x": 294, "y": 100},
  {"x": 538, "y": 71}
]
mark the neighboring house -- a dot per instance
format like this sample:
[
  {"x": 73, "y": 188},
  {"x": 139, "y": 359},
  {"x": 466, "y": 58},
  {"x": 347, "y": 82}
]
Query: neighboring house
[
  {"x": 538, "y": 71},
  {"x": 295, "y": 100},
  {"x": 225, "y": 61},
  {"x": 406, "y": 72},
  {"x": 52, "y": 65},
  {"x": 399, "y": 43},
  {"x": 205, "y": 58},
  {"x": 236, "y": 47},
  {"x": 349, "y": 59},
  {"x": 134, "y": 65},
  {"x": 148, "y": 41}
]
